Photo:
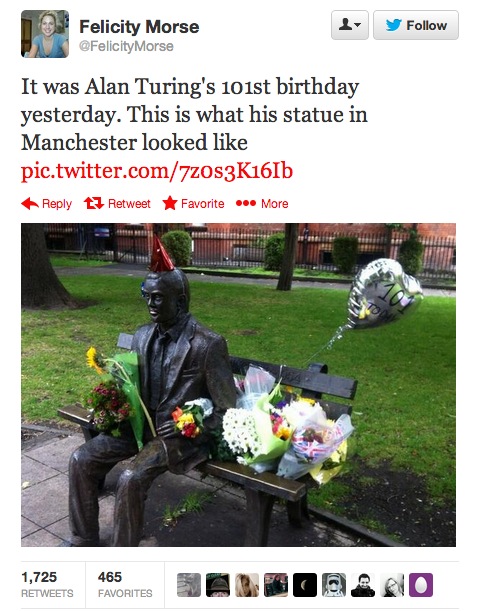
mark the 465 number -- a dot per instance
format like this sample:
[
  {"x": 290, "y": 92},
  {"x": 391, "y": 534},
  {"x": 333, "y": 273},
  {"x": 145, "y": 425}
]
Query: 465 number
[{"x": 110, "y": 576}]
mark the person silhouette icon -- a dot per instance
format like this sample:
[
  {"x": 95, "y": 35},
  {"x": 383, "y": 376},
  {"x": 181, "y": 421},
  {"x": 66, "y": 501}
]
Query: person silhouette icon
[{"x": 345, "y": 25}]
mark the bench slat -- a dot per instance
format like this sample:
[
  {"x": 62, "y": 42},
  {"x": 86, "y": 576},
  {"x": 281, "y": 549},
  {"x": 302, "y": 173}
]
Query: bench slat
[
  {"x": 300, "y": 378},
  {"x": 124, "y": 341},
  {"x": 270, "y": 483},
  {"x": 75, "y": 413}
]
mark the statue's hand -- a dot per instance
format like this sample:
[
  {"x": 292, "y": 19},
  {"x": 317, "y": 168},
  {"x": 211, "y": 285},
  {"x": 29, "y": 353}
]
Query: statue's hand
[{"x": 167, "y": 430}]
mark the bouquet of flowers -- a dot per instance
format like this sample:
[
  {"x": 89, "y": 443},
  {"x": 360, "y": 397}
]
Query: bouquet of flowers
[
  {"x": 273, "y": 428},
  {"x": 121, "y": 375},
  {"x": 189, "y": 419},
  {"x": 108, "y": 406},
  {"x": 315, "y": 440},
  {"x": 257, "y": 431}
]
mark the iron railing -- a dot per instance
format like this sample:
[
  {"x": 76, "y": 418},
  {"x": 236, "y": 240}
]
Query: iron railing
[{"x": 243, "y": 248}]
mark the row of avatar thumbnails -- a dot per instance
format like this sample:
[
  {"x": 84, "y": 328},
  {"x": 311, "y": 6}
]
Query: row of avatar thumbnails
[{"x": 304, "y": 584}]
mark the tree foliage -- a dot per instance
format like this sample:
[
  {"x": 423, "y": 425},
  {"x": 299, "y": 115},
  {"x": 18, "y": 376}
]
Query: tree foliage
[{"x": 178, "y": 244}]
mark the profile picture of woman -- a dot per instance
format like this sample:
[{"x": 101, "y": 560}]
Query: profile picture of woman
[
  {"x": 49, "y": 43},
  {"x": 276, "y": 584},
  {"x": 392, "y": 586},
  {"x": 246, "y": 584}
]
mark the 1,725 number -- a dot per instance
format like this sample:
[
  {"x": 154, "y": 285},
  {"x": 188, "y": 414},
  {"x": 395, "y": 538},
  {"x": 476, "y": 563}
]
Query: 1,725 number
[{"x": 40, "y": 577}]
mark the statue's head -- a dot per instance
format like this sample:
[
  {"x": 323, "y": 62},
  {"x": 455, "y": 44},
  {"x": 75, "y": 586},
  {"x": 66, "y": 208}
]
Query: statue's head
[{"x": 165, "y": 289}]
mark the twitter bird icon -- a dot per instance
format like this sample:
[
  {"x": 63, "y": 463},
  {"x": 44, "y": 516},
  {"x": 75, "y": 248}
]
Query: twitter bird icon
[{"x": 392, "y": 26}]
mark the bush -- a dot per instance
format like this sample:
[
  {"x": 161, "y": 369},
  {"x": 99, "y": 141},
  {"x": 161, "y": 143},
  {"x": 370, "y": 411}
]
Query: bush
[
  {"x": 273, "y": 252},
  {"x": 411, "y": 255},
  {"x": 179, "y": 246},
  {"x": 344, "y": 253}
]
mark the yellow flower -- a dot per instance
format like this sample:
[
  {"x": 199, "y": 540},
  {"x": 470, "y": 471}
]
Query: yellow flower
[
  {"x": 93, "y": 360},
  {"x": 183, "y": 420},
  {"x": 186, "y": 419},
  {"x": 283, "y": 433},
  {"x": 307, "y": 400}
]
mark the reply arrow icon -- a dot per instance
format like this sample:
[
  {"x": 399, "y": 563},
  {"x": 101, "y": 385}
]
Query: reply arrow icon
[{"x": 28, "y": 203}]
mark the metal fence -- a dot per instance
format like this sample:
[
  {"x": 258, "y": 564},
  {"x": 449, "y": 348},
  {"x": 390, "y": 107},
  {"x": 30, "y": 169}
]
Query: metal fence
[
  {"x": 110, "y": 242},
  {"x": 244, "y": 248}
]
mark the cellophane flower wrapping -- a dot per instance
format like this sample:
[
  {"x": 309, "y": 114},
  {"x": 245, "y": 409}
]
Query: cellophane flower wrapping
[
  {"x": 315, "y": 439},
  {"x": 257, "y": 383},
  {"x": 273, "y": 445},
  {"x": 130, "y": 384},
  {"x": 122, "y": 370}
]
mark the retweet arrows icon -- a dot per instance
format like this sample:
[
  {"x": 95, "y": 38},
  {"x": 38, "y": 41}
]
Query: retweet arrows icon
[
  {"x": 28, "y": 203},
  {"x": 90, "y": 206}
]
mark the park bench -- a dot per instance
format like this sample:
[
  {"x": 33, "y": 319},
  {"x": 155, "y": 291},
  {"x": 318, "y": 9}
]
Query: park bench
[{"x": 262, "y": 489}]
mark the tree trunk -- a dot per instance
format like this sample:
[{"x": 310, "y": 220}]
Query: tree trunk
[
  {"x": 289, "y": 253},
  {"x": 41, "y": 288}
]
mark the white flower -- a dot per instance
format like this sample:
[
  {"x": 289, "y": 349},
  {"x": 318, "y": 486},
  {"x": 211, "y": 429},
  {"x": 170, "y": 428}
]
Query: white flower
[{"x": 239, "y": 432}]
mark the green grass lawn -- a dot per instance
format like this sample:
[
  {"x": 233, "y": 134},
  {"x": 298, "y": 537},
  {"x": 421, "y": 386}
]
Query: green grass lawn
[
  {"x": 404, "y": 411},
  {"x": 77, "y": 261}
]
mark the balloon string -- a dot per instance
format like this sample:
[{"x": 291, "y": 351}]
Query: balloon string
[
  {"x": 312, "y": 357},
  {"x": 337, "y": 335}
]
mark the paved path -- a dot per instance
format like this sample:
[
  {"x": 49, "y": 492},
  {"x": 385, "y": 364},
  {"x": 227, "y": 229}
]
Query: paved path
[
  {"x": 130, "y": 269},
  {"x": 45, "y": 523}
]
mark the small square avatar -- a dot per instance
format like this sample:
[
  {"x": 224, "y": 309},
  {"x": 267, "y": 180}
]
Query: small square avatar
[
  {"x": 334, "y": 584},
  {"x": 276, "y": 584},
  {"x": 188, "y": 584},
  {"x": 304, "y": 584},
  {"x": 217, "y": 585},
  {"x": 246, "y": 584},
  {"x": 392, "y": 585},
  {"x": 363, "y": 586}
]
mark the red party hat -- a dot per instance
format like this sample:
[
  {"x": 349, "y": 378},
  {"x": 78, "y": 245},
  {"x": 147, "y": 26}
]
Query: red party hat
[{"x": 160, "y": 261}]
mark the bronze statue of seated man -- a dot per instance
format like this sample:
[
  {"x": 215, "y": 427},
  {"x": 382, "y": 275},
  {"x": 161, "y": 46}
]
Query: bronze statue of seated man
[{"x": 180, "y": 360}]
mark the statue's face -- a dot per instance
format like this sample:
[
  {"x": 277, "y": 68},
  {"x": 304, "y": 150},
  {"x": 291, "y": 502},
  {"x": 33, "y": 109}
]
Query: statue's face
[{"x": 162, "y": 300}]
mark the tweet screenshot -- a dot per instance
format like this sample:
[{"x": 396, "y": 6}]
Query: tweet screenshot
[{"x": 237, "y": 375}]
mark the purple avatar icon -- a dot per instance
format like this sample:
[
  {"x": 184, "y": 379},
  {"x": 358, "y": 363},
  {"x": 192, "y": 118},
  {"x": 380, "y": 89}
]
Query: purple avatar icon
[{"x": 421, "y": 585}]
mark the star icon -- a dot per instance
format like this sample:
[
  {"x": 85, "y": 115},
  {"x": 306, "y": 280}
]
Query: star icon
[{"x": 170, "y": 203}]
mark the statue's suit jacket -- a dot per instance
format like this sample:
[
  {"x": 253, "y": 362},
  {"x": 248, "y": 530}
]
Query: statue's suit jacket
[{"x": 199, "y": 368}]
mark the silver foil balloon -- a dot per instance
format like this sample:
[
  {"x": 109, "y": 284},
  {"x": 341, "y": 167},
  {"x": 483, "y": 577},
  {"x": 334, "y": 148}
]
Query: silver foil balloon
[{"x": 381, "y": 293}]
